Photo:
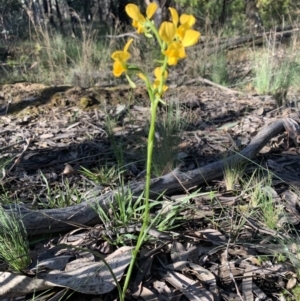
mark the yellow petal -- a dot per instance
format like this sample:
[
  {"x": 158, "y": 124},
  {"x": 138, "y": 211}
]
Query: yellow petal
[
  {"x": 174, "y": 52},
  {"x": 151, "y": 9},
  {"x": 118, "y": 69},
  {"x": 172, "y": 61},
  {"x": 120, "y": 56},
  {"x": 182, "y": 54},
  {"x": 191, "y": 37},
  {"x": 167, "y": 32},
  {"x": 141, "y": 18},
  {"x": 165, "y": 88},
  {"x": 174, "y": 48},
  {"x": 181, "y": 31},
  {"x": 187, "y": 19},
  {"x": 138, "y": 25},
  {"x": 158, "y": 73},
  {"x": 174, "y": 15},
  {"x": 140, "y": 28},
  {"x": 133, "y": 11},
  {"x": 142, "y": 76},
  {"x": 127, "y": 45},
  {"x": 156, "y": 84},
  {"x": 135, "y": 23}
]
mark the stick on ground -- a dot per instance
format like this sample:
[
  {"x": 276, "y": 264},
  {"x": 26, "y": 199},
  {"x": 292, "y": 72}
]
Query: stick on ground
[{"x": 64, "y": 219}]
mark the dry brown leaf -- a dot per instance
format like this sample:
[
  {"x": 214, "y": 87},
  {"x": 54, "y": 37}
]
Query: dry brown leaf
[
  {"x": 54, "y": 263},
  {"x": 88, "y": 278},
  {"x": 12, "y": 285},
  {"x": 136, "y": 285},
  {"x": 259, "y": 111},
  {"x": 201, "y": 273},
  {"x": 148, "y": 295},
  {"x": 247, "y": 284},
  {"x": 258, "y": 292},
  {"x": 46, "y": 136},
  {"x": 228, "y": 269},
  {"x": 161, "y": 287},
  {"x": 179, "y": 252},
  {"x": 291, "y": 201},
  {"x": 291, "y": 283},
  {"x": 188, "y": 287},
  {"x": 293, "y": 129},
  {"x": 69, "y": 170},
  {"x": 75, "y": 237},
  {"x": 204, "y": 275},
  {"x": 106, "y": 247},
  {"x": 212, "y": 235}
]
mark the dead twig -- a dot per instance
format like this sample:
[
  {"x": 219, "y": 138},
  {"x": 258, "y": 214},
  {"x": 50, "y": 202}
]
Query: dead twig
[
  {"x": 18, "y": 159},
  {"x": 206, "y": 81},
  {"x": 28, "y": 141},
  {"x": 230, "y": 272}
]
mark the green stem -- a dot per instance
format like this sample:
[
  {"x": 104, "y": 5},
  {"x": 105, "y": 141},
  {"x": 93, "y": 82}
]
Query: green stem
[
  {"x": 149, "y": 162},
  {"x": 163, "y": 69},
  {"x": 155, "y": 31},
  {"x": 154, "y": 99},
  {"x": 140, "y": 240}
]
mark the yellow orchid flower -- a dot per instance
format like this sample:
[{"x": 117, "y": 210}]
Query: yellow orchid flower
[
  {"x": 138, "y": 20},
  {"x": 151, "y": 9},
  {"x": 121, "y": 57},
  {"x": 174, "y": 15},
  {"x": 175, "y": 52},
  {"x": 190, "y": 20},
  {"x": 159, "y": 75},
  {"x": 178, "y": 37},
  {"x": 169, "y": 31},
  {"x": 118, "y": 68},
  {"x": 190, "y": 38},
  {"x": 158, "y": 78},
  {"x": 186, "y": 20}
]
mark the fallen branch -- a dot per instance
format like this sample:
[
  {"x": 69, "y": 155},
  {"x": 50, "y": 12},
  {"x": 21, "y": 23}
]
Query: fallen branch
[
  {"x": 64, "y": 219},
  {"x": 208, "y": 82},
  {"x": 227, "y": 44}
]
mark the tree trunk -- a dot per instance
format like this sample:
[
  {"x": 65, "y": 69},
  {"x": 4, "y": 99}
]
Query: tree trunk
[
  {"x": 253, "y": 18},
  {"x": 223, "y": 16},
  {"x": 64, "y": 16},
  {"x": 50, "y": 12},
  {"x": 106, "y": 11},
  {"x": 92, "y": 11},
  {"x": 53, "y": 12}
]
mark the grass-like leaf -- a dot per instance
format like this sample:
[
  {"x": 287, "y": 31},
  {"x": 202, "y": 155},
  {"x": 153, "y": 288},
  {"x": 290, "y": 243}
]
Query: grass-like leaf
[{"x": 14, "y": 246}]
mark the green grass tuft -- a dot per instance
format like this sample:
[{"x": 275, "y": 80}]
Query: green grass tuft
[{"x": 14, "y": 246}]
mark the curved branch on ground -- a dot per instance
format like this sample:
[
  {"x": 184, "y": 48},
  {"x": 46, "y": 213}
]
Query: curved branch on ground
[{"x": 44, "y": 221}]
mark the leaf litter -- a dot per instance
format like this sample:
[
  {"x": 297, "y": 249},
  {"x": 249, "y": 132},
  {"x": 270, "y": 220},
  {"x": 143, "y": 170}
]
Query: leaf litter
[{"x": 221, "y": 251}]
